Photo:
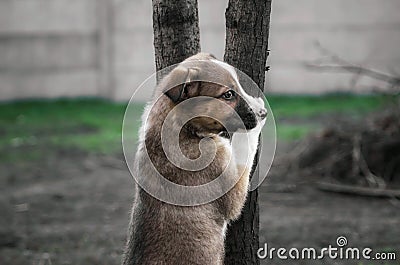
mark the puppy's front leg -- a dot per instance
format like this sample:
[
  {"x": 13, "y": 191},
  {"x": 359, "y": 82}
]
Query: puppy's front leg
[
  {"x": 244, "y": 146},
  {"x": 244, "y": 149}
]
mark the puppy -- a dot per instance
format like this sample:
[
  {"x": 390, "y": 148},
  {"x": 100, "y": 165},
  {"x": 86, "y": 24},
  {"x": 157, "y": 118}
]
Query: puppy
[{"x": 220, "y": 126}]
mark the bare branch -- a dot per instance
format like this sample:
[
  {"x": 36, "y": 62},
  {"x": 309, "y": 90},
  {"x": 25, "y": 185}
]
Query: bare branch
[
  {"x": 338, "y": 64},
  {"x": 361, "y": 191},
  {"x": 356, "y": 70}
]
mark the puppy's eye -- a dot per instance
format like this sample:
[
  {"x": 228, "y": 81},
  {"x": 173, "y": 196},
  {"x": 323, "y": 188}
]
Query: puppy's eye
[{"x": 228, "y": 95}]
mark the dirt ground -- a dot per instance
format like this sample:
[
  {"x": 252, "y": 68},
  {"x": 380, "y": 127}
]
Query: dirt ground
[{"x": 72, "y": 207}]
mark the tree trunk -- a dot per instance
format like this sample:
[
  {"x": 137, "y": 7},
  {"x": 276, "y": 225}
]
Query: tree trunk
[
  {"x": 176, "y": 37},
  {"x": 176, "y": 31},
  {"x": 246, "y": 48}
]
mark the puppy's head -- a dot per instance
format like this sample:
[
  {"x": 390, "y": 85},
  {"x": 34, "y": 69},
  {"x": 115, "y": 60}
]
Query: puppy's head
[{"x": 218, "y": 97}]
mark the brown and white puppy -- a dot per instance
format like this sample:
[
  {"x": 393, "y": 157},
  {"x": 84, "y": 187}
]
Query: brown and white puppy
[{"x": 162, "y": 233}]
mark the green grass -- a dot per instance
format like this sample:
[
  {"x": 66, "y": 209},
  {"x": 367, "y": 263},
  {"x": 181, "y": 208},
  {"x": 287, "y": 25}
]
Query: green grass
[
  {"x": 90, "y": 124},
  {"x": 309, "y": 106},
  {"x": 94, "y": 125},
  {"x": 291, "y": 132},
  {"x": 305, "y": 108}
]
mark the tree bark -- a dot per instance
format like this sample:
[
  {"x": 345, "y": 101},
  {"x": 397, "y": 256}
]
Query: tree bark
[
  {"x": 246, "y": 48},
  {"x": 176, "y": 31}
]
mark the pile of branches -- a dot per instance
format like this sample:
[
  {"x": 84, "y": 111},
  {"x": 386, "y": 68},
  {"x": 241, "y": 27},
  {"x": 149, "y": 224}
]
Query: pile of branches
[
  {"x": 361, "y": 158},
  {"x": 364, "y": 155}
]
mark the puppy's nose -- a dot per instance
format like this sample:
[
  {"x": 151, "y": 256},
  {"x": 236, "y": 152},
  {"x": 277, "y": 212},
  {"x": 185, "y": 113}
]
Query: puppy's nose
[{"x": 262, "y": 113}]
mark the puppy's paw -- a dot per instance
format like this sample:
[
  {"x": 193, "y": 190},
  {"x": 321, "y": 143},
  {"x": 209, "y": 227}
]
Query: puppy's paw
[
  {"x": 241, "y": 148},
  {"x": 244, "y": 145},
  {"x": 254, "y": 136}
]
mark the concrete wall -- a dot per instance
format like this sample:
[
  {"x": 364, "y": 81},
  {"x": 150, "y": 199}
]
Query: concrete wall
[
  {"x": 57, "y": 48},
  {"x": 48, "y": 48},
  {"x": 364, "y": 32}
]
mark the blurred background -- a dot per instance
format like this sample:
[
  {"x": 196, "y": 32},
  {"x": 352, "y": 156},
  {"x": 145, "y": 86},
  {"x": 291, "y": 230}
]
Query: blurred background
[
  {"x": 104, "y": 48},
  {"x": 68, "y": 68}
]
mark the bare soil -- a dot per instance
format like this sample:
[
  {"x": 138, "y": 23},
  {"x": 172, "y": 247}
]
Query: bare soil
[{"x": 71, "y": 207}]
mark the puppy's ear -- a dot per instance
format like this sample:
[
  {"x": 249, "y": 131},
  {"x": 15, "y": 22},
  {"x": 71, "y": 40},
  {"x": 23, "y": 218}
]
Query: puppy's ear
[
  {"x": 186, "y": 88},
  {"x": 182, "y": 92}
]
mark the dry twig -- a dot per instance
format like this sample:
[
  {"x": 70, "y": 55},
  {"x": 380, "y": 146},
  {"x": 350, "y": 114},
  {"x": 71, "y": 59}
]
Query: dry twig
[
  {"x": 362, "y": 191},
  {"x": 338, "y": 64}
]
